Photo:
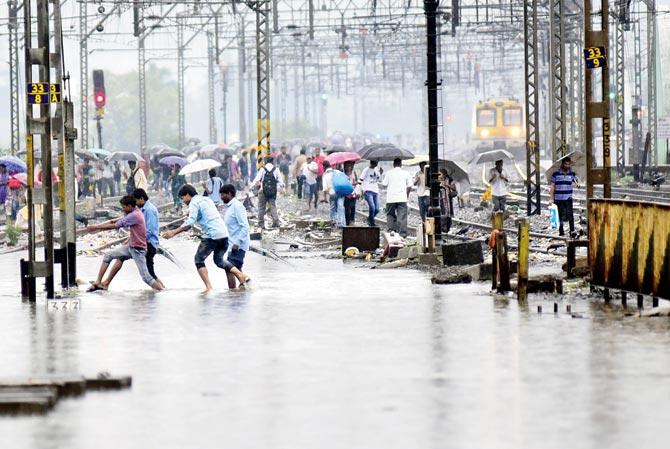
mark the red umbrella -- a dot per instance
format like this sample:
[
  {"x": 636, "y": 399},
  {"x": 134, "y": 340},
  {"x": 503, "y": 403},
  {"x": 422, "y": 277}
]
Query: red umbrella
[{"x": 342, "y": 157}]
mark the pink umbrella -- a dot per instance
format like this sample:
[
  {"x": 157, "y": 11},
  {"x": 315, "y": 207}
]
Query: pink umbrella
[
  {"x": 23, "y": 179},
  {"x": 342, "y": 157}
]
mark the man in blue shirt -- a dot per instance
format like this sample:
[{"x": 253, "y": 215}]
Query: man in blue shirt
[
  {"x": 213, "y": 185},
  {"x": 152, "y": 223},
  {"x": 235, "y": 217},
  {"x": 562, "y": 182},
  {"x": 201, "y": 210}
]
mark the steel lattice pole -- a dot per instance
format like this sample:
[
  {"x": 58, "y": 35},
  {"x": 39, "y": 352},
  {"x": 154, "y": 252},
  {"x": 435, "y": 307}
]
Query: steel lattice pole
[
  {"x": 620, "y": 105},
  {"x": 142, "y": 89},
  {"x": 557, "y": 79},
  {"x": 13, "y": 27},
  {"x": 263, "y": 78},
  {"x": 651, "y": 80},
  {"x": 210, "y": 87},
  {"x": 180, "y": 82},
  {"x": 532, "y": 104}
]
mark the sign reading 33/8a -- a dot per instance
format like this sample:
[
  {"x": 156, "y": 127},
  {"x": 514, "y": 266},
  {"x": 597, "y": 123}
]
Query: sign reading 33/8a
[
  {"x": 596, "y": 57},
  {"x": 41, "y": 93}
]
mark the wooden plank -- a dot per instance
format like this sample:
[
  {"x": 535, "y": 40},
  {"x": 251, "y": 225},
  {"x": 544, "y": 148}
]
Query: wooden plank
[
  {"x": 103, "y": 382},
  {"x": 67, "y": 385},
  {"x": 25, "y": 404}
]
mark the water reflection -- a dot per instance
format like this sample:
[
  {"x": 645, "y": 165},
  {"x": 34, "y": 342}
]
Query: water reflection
[{"x": 326, "y": 354}]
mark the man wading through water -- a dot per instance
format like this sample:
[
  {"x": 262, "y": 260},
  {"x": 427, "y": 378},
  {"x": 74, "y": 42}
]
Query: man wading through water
[
  {"x": 201, "y": 210},
  {"x": 136, "y": 247}
]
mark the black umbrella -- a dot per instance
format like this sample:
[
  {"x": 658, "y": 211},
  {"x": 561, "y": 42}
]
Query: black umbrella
[
  {"x": 167, "y": 151},
  {"x": 337, "y": 149},
  {"x": 384, "y": 152}
]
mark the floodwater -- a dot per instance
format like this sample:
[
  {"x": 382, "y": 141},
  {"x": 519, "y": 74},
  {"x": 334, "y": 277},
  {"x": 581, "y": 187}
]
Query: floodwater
[{"x": 327, "y": 354}]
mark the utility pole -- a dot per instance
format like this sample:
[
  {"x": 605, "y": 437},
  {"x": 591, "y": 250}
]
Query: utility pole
[
  {"x": 241, "y": 69},
  {"x": 211, "y": 59},
  {"x": 531, "y": 76},
  {"x": 65, "y": 134},
  {"x": 14, "y": 89},
  {"x": 223, "y": 69},
  {"x": 83, "y": 74},
  {"x": 180, "y": 81},
  {"x": 38, "y": 94},
  {"x": 596, "y": 32},
  {"x": 651, "y": 81},
  {"x": 263, "y": 37},
  {"x": 557, "y": 95},
  {"x": 432, "y": 87}
]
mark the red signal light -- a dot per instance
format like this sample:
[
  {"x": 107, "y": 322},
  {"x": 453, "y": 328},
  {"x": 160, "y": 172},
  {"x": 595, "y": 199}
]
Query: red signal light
[{"x": 100, "y": 99}]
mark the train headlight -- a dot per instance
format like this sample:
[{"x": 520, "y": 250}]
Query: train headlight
[
  {"x": 485, "y": 132},
  {"x": 516, "y": 131}
]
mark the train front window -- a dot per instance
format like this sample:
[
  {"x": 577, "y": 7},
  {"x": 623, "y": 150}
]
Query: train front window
[
  {"x": 512, "y": 116},
  {"x": 486, "y": 117}
]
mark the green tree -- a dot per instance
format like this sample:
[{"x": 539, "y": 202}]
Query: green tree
[{"x": 121, "y": 125}]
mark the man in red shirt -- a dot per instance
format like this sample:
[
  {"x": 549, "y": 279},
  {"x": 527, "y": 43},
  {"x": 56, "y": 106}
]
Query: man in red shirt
[
  {"x": 318, "y": 158},
  {"x": 135, "y": 248}
]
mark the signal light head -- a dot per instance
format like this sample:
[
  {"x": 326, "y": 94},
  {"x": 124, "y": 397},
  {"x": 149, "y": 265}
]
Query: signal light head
[{"x": 99, "y": 99}]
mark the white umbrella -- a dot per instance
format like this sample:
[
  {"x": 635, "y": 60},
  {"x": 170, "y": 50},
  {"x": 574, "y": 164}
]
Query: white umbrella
[{"x": 199, "y": 165}]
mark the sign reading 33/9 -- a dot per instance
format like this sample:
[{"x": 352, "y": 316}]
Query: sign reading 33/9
[
  {"x": 596, "y": 57},
  {"x": 41, "y": 93}
]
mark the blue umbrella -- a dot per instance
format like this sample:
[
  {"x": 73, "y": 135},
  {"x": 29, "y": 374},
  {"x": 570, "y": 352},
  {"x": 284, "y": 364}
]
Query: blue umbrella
[
  {"x": 13, "y": 164},
  {"x": 173, "y": 160}
]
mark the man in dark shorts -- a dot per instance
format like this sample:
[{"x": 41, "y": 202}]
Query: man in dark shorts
[
  {"x": 215, "y": 235},
  {"x": 235, "y": 217}
]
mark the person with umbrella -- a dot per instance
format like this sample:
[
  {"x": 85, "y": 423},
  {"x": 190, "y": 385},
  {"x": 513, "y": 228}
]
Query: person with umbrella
[
  {"x": 213, "y": 186},
  {"x": 498, "y": 179},
  {"x": 370, "y": 179},
  {"x": 176, "y": 182},
  {"x": 350, "y": 200},
  {"x": 297, "y": 172},
  {"x": 398, "y": 184},
  {"x": 561, "y": 185},
  {"x": 215, "y": 235},
  {"x": 319, "y": 159},
  {"x": 136, "y": 178},
  {"x": 422, "y": 191},
  {"x": 308, "y": 173},
  {"x": 284, "y": 162},
  {"x": 4, "y": 180},
  {"x": 116, "y": 170},
  {"x": 446, "y": 198}
]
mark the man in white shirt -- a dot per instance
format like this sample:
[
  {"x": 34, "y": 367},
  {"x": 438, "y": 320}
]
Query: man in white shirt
[
  {"x": 267, "y": 191},
  {"x": 329, "y": 195},
  {"x": 308, "y": 171},
  {"x": 498, "y": 179},
  {"x": 398, "y": 183},
  {"x": 370, "y": 179},
  {"x": 421, "y": 190}
]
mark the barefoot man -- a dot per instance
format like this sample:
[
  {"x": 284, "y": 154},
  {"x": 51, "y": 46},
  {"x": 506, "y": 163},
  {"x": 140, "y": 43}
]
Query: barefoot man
[
  {"x": 201, "y": 210},
  {"x": 135, "y": 248}
]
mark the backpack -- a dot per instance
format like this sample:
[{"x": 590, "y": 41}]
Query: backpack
[
  {"x": 269, "y": 184},
  {"x": 130, "y": 185},
  {"x": 341, "y": 184}
]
